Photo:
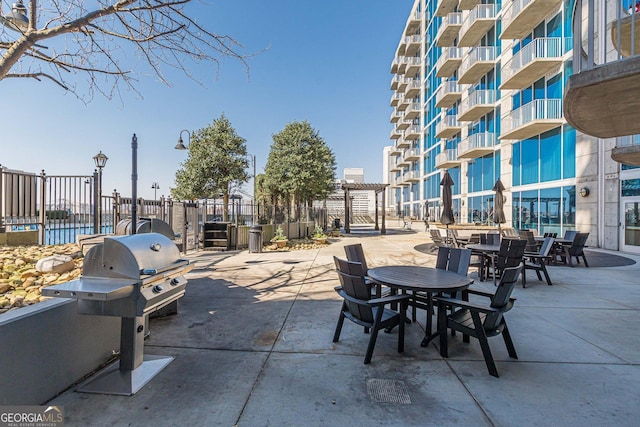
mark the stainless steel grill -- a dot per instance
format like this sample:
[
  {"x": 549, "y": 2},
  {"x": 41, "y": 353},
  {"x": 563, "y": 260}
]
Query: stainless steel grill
[{"x": 128, "y": 277}]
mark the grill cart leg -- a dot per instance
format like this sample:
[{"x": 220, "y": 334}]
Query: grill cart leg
[{"x": 134, "y": 369}]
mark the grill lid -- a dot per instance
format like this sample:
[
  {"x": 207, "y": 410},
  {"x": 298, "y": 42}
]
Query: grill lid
[{"x": 132, "y": 256}]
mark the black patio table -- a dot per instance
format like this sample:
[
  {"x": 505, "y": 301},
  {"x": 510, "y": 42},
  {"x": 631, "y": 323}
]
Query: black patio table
[
  {"x": 413, "y": 278},
  {"x": 483, "y": 249}
]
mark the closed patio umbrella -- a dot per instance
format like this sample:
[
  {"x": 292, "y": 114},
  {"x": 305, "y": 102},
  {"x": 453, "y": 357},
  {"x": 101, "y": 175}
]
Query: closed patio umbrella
[
  {"x": 498, "y": 204},
  {"x": 446, "y": 217}
]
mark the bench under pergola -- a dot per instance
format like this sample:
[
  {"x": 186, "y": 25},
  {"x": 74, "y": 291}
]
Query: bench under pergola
[{"x": 376, "y": 188}]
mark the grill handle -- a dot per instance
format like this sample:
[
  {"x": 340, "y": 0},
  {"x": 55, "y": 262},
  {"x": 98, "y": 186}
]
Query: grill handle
[{"x": 177, "y": 264}]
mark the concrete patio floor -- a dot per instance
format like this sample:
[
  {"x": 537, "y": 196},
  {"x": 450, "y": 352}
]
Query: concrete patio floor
[{"x": 253, "y": 347}]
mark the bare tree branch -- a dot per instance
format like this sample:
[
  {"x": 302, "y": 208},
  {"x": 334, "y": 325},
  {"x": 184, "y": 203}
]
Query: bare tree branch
[{"x": 99, "y": 42}]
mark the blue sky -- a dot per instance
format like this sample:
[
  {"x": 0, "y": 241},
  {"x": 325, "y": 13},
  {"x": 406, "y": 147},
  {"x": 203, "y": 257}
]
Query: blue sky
[{"x": 326, "y": 62}]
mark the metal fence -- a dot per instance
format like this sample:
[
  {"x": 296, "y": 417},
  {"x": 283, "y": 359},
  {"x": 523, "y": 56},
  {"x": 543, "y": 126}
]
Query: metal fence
[{"x": 69, "y": 210}]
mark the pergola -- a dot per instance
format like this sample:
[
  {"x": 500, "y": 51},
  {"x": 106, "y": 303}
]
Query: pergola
[{"x": 376, "y": 188}]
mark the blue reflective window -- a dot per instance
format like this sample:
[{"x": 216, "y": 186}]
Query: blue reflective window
[
  {"x": 550, "y": 155},
  {"x": 529, "y": 161},
  {"x": 515, "y": 162},
  {"x": 569, "y": 152}
]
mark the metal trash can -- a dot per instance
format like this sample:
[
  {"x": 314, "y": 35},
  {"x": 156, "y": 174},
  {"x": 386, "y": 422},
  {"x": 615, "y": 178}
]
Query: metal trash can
[{"x": 255, "y": 239}]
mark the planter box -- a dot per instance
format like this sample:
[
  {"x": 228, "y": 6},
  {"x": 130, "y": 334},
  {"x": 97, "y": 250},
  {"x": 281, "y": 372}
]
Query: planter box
[{"x": 47, "y": 347}]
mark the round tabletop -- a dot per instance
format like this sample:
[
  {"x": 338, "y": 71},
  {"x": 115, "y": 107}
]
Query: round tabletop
[
  {"x": 483, "y": 247},
  {"x": 416, "y": 278}
]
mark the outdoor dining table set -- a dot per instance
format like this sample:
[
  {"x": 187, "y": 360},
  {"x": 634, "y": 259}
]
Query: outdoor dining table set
[{"x": 367, "y": 292}]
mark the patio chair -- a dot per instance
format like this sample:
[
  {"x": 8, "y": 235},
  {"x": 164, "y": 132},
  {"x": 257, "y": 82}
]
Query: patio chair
[
  {"x": 554, "y": 235},
  {"x": 509, "y": 232},
  {"x": 538, "y": 261},
  {"x": 478, "y": 320},
  {"x": 355, "y": 253},
  {"x": 576, "y": 250},
  {"x": 360, "y": 308},
  {"x": 490, "y": 239},
  {"x": 570, "y": 234},
  {"x": 511, "y": 254},
  {"x": 527, "y": 235},
  {"x": 450, "y": 259},
  {"x": 437, "y": 238}
]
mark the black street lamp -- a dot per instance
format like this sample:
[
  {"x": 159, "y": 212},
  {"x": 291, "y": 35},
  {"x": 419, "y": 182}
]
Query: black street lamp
[
  {"x": 100, "y": 161},
  {"x": 155, "y": 187},
  {"x": 180, "y": 145}
]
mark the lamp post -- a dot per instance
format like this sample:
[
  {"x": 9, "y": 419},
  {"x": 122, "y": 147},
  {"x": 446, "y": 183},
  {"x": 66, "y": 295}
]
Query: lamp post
[
  {"x": 155, "y": 187},
  {"x": 180, "y": 145},
  {"x": 100, "y": 161},
  {"x": 253, "y": 205}
]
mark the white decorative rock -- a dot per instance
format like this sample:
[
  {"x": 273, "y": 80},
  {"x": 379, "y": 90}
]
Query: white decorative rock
[{"x": 55, "y": 264}]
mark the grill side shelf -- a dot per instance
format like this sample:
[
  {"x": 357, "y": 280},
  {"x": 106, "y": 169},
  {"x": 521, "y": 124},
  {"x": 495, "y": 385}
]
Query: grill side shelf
[{"x": 98, "y": 289}]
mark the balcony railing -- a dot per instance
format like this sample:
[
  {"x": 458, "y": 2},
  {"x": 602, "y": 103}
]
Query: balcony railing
[
  {"x": 448, "y": 62},
  {"x": 476, "y": 64},
  {"x": 413, "y": 132},
  {"x": 532, "y": 62},
  {"x": 414, "y": 64},
  {"x": 448, "y": 126},
  {"x": 478, "y": 103},
  {"x": 520, "y": 17},
  {"x": 396, "y": 98},
  {"x": 449, "y": 29},
  {"x": 448, "y": 93},
  {"x": 413, "y": 88},
  {"x": 413, "y": 111},
  {"x": 477, "y": 145},
  {"x": 533, "y": 118},
  {"x": 412, "y": 154},
  {"x": 447, "y": 159},
  {"x": 413, "y": 44},
  {"x": 445, "y": 7},
  {"x": 477, "y": 22}
]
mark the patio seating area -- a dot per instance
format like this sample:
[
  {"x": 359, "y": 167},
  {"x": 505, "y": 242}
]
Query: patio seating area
[{"x": 253, "y": 346}]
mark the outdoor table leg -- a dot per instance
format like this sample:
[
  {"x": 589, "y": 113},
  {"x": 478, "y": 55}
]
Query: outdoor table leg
[{"x": 428, "y": 334}]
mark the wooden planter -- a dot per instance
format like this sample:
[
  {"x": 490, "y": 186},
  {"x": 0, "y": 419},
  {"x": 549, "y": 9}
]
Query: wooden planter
[{"x": 280, "y": 243}]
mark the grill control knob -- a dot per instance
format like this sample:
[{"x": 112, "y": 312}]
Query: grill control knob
[
  {"x": 157, "y": 289},
  {"x": 174, "y": 281}
]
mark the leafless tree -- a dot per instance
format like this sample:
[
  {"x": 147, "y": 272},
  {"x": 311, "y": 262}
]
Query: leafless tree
[{"x": 110, "y": 42}]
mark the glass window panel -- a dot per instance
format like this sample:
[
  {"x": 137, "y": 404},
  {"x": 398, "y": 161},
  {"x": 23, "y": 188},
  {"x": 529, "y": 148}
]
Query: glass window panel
[
  {"x": 568, "y": 208},
  {"x": 529, "y": 161},
  {"x": 550, "y": 155},
  {"x": 538, "y": 89},
  {"x": 487, "y": 173},
  {"x": 550, "y": 210},
  {"x": 554, "y": 87},
  {"x": 630, "y": 187},
  {"x": 529, "y": 210},
  {"x": 516, "y": 215},
  {"x": 515, "y": 163},
  {"x": 554, "y": 27},
  {"x": 569, "y": 152},
  {"x": 527, "y": 96}
]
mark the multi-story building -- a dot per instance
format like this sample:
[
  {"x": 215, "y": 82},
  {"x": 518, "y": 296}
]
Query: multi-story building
[{"x": 477, "y": 90}]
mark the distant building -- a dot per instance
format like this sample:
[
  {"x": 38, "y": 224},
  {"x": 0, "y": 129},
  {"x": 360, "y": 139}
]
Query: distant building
[{"x": 354, "y": 175}]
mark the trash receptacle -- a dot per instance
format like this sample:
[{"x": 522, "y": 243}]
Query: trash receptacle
[
  {"x": 255, "y": 239},
  {"x": 336, "y": 223}
]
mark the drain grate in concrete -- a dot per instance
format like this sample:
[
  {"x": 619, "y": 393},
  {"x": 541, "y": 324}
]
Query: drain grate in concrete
[{"x": 388, "y": 391}]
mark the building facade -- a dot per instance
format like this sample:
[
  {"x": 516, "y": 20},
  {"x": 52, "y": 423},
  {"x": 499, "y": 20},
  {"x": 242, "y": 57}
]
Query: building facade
[{"x": 477, "y": 90}]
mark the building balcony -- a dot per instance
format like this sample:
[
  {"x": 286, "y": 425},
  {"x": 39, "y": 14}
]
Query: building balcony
[
  {"x": 402, "y": 64},
  {"x": 449, "y": 29},
  {"x": 536, "y": 117},
  {"x": 395, "y": 116},
  {"x": 395, "y": 133},
  {"x": 413, "y": 110},
  {"x": 627, "y": 150},
  {"x": 532, "y": 62},
  {"x": 447, "y": 159},
  {"x": 403, "y": 103},
  {"x": 627, "y": 42},
  {"x": 414, "y": 64},
  {"x": 477, "y": 145},
  {"x": 411, "y": 176},
  {"x": 403, "y": 163},
  {"x": 413, "y": 23},
  {"x": 478, "y": 103},
  {"x": 395, "y": 80},
  {"x": 395, "y": 151},
  {"x": 448, "y": 126},
  {"x": 467, "y": 4},
  {"x": 476, "y": 23},
  {"x": 403, "y": 124},
  {"x": 445, "y": 7},
  {"x": 414, "y": 44},
  {"x": 395, "y": 99},
  {"x": 520, "y": 17},
  {"x": 412, "y": 154},
  {"x": 396, "y": 64},
  {"x": 413, "y": 133},
  {"x": 404, "y": 143},
  {"x": 413, "y": 88},
  {"x": 476, "y": 64},
  {"x": 403, "y": 82},
  {"x": 448, "y": 93},
  {"x": 448, "y": 62}
]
